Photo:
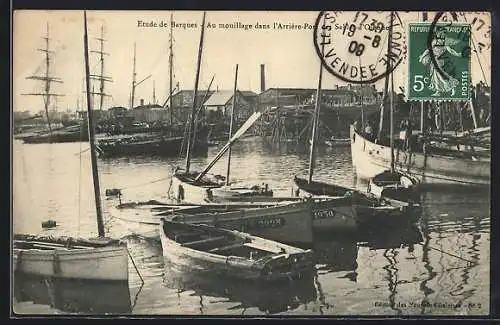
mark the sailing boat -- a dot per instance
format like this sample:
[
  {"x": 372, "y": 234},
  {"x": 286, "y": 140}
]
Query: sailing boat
[
  {"x": 153, "y": 140},
  {"x": 346, "y": 204},
  {"x": 99, "y": 258},
  {"x": 340, "y": 211},
  {"x": 199, "y": 188},
  {"x": 54, "y": 135},
  {"x": 431, "y": 165}
]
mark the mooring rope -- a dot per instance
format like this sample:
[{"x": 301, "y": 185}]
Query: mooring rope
[
  {"x": 135, "y": 266},
  {"x": 459, "y": 257}
]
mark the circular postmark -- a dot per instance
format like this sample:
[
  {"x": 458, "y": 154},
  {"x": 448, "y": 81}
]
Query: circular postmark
[{"x": 354, "y": 46}]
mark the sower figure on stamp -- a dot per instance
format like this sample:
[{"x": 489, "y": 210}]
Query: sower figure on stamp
[{"x": 440, "y": 79}]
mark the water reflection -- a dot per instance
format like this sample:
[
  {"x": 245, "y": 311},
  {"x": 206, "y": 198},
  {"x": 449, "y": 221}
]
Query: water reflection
[
  {"x": 269, "y": 298},
  {"x": 73, "y": 296}
]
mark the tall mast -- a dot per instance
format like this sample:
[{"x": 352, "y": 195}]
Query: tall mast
[
  {"x": 315, "y": 121},
  {"x": 48, "y": 80},
  {"x": 231, "y": 124},
  {"x": 391, "y": 98},
  {"x": 154, "y": 93},
  {"x": 133, "y": 83},
  {"x": 102, "y": 79},
  {"x": 170, "y": 65},
  {"x": 193, "y": 110},
  {"x": 95, "y": 172},
  {"x": 386, "y": 82}
]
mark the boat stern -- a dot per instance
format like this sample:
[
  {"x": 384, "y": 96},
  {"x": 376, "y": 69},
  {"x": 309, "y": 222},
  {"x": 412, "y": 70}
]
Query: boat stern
[{"x": 288, "y": 266}]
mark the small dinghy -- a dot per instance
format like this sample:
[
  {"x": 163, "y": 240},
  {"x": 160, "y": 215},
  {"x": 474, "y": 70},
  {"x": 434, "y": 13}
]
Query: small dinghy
[
  {"x": 396, "y": 186},
  {"x": 203, "y": 248}
]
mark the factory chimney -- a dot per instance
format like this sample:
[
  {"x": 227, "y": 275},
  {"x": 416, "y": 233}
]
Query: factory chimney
[{"x": 262, "y": 79}]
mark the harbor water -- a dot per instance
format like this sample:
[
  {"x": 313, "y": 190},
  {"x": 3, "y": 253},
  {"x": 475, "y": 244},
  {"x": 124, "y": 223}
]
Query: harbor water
[{"x": 441, "y": 266}]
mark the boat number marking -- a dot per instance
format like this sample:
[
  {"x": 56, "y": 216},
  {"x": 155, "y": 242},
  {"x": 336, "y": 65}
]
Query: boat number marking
[
  {"x": 268, "y": 223},
  {"x": 323, "y": 214}
]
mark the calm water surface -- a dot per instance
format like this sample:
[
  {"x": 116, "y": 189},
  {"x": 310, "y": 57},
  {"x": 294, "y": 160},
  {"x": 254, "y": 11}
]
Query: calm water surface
[{"x": 438, "y": 267}]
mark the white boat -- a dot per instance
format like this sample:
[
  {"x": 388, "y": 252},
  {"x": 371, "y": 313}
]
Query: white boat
[
  {"x": 70, "y": 258},
  {"x": 73, "y": 258},
  {"x": 443, "y": 167}
]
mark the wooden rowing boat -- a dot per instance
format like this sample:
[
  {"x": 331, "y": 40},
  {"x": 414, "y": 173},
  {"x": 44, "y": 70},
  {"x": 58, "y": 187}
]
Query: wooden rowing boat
[
  {"x": 287, "y": 222},
  {"x": 203, "y": 248},
  {"x": 71, "y": 258}
]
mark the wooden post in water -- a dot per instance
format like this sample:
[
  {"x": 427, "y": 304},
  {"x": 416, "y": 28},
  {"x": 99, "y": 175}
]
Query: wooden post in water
[
  {"x": 231, "y": 124},
  {"x": 193, "y": 110},
  {"x": 90, "y": 122}
]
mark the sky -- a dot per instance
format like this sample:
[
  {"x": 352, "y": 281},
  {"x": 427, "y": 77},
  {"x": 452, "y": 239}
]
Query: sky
[{"x": 289, "y": 55}]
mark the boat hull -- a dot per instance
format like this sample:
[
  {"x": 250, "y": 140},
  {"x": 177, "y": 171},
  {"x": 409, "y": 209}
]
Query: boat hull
[
  {"x": 57, "y": 138},
  {"x": 170, "y": 147},
  {"x": 370, "y": 159},
  {"x": 333, "y": 215},
  {"x": 286, "y": 223},
  {"x": 101, "y": 263},
  {"x": 186, "y": 192},
  {"x": 185, "y": 258},
  {"x": 375, "y": 217}
]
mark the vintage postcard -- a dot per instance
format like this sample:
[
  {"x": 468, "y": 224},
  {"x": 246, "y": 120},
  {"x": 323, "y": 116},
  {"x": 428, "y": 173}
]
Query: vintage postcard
[{"x": 268, "y": 163}]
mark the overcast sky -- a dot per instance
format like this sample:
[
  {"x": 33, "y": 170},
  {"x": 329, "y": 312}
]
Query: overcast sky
[{"x": 289, "y": 55}]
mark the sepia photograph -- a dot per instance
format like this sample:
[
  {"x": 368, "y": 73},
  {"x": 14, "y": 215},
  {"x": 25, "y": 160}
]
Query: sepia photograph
[{"x": 250, "y": 163}]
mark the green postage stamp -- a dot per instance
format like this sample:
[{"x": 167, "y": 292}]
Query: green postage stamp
[{"x": 439, "y": 61}]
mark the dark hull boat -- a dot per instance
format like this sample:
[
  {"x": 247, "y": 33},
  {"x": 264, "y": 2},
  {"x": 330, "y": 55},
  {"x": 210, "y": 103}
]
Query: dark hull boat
[
  {"x": 202, "y": 248},
  {"x": 151, "y": 146},
  {"x": 367, "y": 208},
  {"x": 320, "y": 188},
  {"x": 59, "y": 136}
]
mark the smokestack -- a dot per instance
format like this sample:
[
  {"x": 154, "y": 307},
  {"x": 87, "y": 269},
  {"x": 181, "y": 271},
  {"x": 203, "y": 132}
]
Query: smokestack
[{"x": 262, "y": 78}]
